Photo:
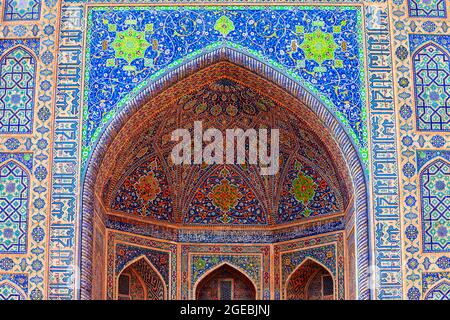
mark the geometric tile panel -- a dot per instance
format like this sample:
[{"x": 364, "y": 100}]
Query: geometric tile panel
[
  {"x": 432, "y": 88},
  {"x": 201, "y": 264},
  {"x": 14, "y": 194},
  {"x": 427, "y": 8},
  {"x": 435, "y": 206},
  {"x": 425, "y": 156},
  {"x": 17, "y": 82},
  {"x": 22, "y": 10}
]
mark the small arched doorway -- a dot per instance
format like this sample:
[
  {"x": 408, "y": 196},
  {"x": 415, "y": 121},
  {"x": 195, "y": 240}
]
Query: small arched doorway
[
  {"x": 225, "y": 283},
  {"x": 140, "y": 281},
  {"x": 310, "y": 281}
]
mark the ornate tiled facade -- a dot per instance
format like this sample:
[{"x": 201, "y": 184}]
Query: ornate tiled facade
[{"x": 89, "y": 91}]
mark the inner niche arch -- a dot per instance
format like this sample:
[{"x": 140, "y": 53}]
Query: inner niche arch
[
  {"x": 144, "y": 281},
  {"x": 311, "y": 280},
  {"x": 220, "y": 62},
  {"x": 441, "y": 291},
  {"x": 10, "y": 291},
  {"x": 225, "y": 282}
]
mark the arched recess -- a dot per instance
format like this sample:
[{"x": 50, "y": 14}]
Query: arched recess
[
  {"x": 431, "y": 64},
  {"x": 14, "y": 207},
  {"x": 10, "y": 291},
  {"x": 225, "y": 282},
  {"x": 441, "y": 291},
  {"x": 311, "y": 280},
  {"x": 435, "y": 199},
  {"x": 232, "y": 64},
  {"x": 142, "y": 273},
  {"x": 17, "y": 86}
]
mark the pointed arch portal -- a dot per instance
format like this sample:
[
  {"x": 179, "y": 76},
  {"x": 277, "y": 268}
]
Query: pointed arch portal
[
  {"x": 225, "y": 283},
  {"x": 118, "y": 162},
  {"x": 139, "y": 280},
  {"x": 310, "y": 281}
]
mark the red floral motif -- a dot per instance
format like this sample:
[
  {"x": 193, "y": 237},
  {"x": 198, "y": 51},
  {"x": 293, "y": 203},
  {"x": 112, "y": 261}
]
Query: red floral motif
[
  {"x": 148, "y": 187},
  {"x": 225, "y": 198},
  {"x": 225, "y": 195},
  {"x": 145, "y": 192}
]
